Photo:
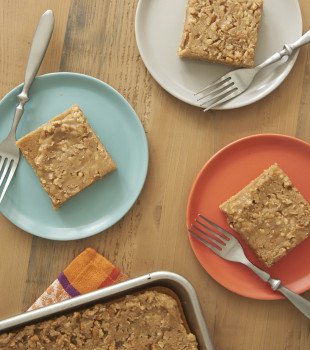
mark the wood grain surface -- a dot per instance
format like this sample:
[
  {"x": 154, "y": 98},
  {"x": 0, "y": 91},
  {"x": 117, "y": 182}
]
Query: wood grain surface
[{"x": 97, "y": 38}]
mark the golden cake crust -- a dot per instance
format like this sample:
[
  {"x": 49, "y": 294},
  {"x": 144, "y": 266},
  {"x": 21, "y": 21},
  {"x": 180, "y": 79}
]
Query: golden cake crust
[
  {"x": 66, "y": 155},
  {"x": 270, "y": 214},
  {"x": 148, "y": 320},
  {"x": 221, "y": 31}
]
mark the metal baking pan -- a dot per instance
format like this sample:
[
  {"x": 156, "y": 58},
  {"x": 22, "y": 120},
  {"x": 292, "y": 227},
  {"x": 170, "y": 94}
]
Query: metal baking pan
[{"x": 175, "y": 282}]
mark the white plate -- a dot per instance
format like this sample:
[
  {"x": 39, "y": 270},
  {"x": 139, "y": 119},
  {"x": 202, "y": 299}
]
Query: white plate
[
  {"x": 101, "y": 205},
  {"x": 159, "y": 25}
]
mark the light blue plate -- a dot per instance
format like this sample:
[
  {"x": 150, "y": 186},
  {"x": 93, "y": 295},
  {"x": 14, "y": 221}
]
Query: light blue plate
[{"x": 100, "y": 206}]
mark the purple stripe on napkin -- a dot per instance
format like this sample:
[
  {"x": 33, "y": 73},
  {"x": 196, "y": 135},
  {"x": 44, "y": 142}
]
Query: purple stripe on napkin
[{"x": 67, "y": 286}]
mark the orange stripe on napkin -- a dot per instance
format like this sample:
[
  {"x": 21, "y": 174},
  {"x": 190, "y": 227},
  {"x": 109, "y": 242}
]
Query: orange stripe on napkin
[{"x": 87, "y": 272}]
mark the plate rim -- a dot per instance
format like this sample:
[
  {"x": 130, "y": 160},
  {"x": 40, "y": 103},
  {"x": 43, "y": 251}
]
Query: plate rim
[
  {"x": 95, "y": 226},
  {"x": 257, "y": 296},
  {"x": 229, "y": 104}
]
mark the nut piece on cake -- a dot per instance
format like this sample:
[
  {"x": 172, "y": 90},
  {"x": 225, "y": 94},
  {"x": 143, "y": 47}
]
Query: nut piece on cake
[
  {"x": 66, "y": 155},
  {"x": 270, "y": 214},
  {"x": 221, "y": 31}
]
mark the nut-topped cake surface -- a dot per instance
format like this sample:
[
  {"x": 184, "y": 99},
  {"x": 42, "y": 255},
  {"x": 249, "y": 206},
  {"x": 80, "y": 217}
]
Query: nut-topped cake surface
[
  {"x": 149, "y": 320},
  {"x": 66, "y": 155},
  {"x": 221, "y": 31},
  {"x": 270, "y": 214}
]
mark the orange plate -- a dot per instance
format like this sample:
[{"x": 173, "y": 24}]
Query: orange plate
[{"x": 225, "y": 174}]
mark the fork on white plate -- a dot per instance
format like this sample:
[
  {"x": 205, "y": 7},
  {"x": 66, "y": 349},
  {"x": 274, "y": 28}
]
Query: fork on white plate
[
  {"x": 9, "y": 152},
  {"x": 237, "y": 81}
]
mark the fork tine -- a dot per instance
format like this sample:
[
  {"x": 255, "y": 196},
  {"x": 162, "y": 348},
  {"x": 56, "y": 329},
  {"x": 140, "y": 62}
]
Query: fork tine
[
  {"x": 217, "y": 235},
  {"x": 227, "y": 95},
  {"x": 9, "y": 178},
  {"x": 6, "y": 168},
  {"x": 213, "y": 87},
  {"x": 219, "y": 242},
  {"x": 209, "y": 245},
  {"x": 217, "y": 92},
  {"x": 224, "y": 232},
  {"x": 2, "y": 162}
]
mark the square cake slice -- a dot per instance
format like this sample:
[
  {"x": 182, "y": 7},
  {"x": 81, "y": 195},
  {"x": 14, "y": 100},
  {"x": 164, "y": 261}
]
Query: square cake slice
[
  {"x": 66, "y": 155},
  {"x": 270, "y": 214},
  {"x": 221, "y": 31}
]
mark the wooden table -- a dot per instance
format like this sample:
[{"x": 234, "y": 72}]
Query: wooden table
[{"x": 97, "y": 38}]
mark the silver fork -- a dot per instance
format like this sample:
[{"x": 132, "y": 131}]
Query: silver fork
[
  {"x": 234, "y": 83},
  {"x": 228, "y": 247},
  {"x": 9, "y": 152}
]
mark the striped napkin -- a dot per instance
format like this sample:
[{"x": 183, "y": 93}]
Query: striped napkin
[{"x": 87, "y": 272}]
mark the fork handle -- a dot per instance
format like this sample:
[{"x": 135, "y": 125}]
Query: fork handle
[
  {"x": 287, "y": 50},
  {"x": 301, "y": 303},
  {"x": 37, "y": 51}
]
